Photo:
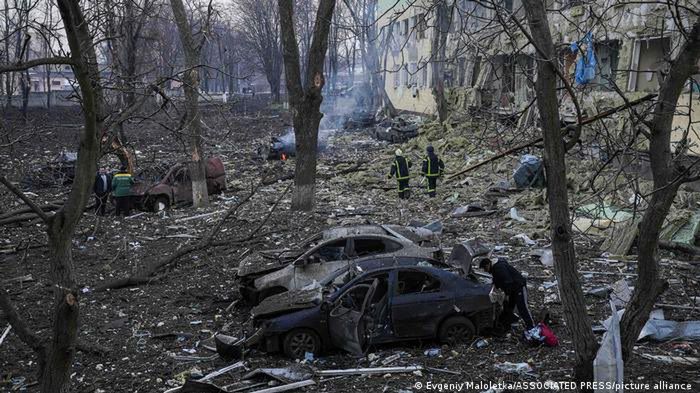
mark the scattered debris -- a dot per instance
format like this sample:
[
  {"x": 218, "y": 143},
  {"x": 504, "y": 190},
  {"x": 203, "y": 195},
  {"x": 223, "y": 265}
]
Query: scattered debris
[{"x": 608, "y": 365}]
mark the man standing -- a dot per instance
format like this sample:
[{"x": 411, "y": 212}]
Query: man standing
[
  {"x": 102, "y": 188},
  {"x": 433, "y": 167},
  {"x": 514, "y": 285},
  {"x": 121, "y": 187},
  {"x": 399, "y": 168}
]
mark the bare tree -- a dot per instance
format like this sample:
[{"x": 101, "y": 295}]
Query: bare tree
[
  {"x": 305, "y": 95},
  {"x": 193, "y": 122},
  {"x": 258, "y": 23},
  {"x": 56, "y": 355},
  {"x": 584, "y": 341},
  {"x": 669, "y": 173}
]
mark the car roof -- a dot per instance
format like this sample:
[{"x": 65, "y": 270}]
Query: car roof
[
  {"x": 441, "y": 274},
  {"x": 335, "y": 274}
]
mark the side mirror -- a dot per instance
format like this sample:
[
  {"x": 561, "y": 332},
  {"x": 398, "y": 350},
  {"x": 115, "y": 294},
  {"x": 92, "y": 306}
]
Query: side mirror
[{"x": 325, "y": 306}]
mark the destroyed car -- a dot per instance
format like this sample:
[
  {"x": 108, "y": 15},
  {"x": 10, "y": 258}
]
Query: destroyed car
[
  {"x": 382, "y": 306},
  {"x": 340, "y": 244},
  {"x": 358, "y": 119},
  {"x": 284, "y": 146},
  {"x": 303, "y": 272},
  {"x": 60, "y": 170},
  {"x": 176, "y": 186},
  {"x": 310, "y": 294},
  {"x": 398, "y": 130}
]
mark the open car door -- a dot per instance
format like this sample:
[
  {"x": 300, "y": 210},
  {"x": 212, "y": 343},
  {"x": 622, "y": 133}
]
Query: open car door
[{"x": 346, "y": 322}]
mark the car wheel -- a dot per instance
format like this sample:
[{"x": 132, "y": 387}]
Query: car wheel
[
  {"x": 300, "y": 341},
  {"x": 456, "y": 330},
  {"x": 161, "y": 203}
]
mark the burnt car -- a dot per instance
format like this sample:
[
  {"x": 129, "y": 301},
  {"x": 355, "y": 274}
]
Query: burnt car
[
  {"x": 176, "y": 186},
  {"x": 337, "y": 245},
  {"x": 284, "y": 146},
  {"x": 60, "y": 170},
  {"x": 398, "y": 130},
  {"x": 358, "y": 120},
  {"x": 381, "y": 306}
]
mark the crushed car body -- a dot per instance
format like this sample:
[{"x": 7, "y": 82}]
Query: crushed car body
[
  {"x": 398, "y": 130},
  {"x": 340, "y": 244},
  {"x": 176, "y": 186},
  {"x": 380, "y": 306},
  {"x": 308, "y": 295}
]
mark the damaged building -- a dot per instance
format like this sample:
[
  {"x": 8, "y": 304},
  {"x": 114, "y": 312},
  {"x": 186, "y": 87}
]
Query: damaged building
[{"x": 489, "y": 67}]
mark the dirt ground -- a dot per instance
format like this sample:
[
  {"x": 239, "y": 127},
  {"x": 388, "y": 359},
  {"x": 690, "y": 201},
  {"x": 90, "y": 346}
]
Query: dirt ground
[{"x": 147, "y": 332}]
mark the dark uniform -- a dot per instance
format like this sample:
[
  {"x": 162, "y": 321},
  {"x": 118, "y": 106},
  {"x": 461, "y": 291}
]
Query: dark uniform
[
  {"x": 508, "y": 279},
  {"x": 399, "y": 168},
  {"x": 433, "y": 167},
  {"x": 102, "y": 188}
]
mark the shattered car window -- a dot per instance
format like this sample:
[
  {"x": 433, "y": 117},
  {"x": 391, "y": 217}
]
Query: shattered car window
[
  {"x": 416, "y": 282},
  {"x": 354, "y": 298},
  {"x": 369, "y": 246},
  {"x": 331, "y": 252}
]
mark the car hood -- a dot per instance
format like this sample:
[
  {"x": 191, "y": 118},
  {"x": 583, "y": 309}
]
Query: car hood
[
  {"x": 267, "y": 260},
  {"x": 287, "y": 302}
]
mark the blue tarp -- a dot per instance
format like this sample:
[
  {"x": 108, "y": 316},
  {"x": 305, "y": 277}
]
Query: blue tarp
[{"x": 585, "y": 65}]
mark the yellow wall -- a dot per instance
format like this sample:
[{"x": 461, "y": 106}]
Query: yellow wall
[{"x": 681, "y": 121}]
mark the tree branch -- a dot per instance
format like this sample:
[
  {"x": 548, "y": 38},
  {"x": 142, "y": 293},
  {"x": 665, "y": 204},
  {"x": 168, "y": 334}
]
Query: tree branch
[
  {"x": 34, "y": 63},
  {"x": 19, "y": 324},
  {"x": 39, "y": 212}
]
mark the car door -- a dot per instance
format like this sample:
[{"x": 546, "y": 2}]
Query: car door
[
  {"x": 182, "y": 185},
  {"x": 346, "y": 322},
  {"x": 420, "y": 301}
]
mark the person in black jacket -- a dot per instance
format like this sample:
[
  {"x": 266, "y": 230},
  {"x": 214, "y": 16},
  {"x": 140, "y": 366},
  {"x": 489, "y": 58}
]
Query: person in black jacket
[
  {"x": 399, "y": 168},
  {"x": 433, "y": 167},
  {"x": 102, "y": 188},
  {"x": 514, "y": 285}
]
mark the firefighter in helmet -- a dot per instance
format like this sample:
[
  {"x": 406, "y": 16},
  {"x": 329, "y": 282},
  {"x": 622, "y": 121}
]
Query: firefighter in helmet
[
  {"x": 433, "y": 167},
  {"x": 399, "y": 168}
]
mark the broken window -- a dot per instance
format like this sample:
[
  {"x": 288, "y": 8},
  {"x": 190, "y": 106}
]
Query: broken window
[
  {"x": 422, "y": 27},
  {"x": 412, "y": 70},
  {"x": 404, "y": 27},
  {"x": 397, "y": 79},
  {"x": 416, "y": 282},
  {"x": 369, "y": 246},
  {"x": 476, "y": 69},
  {"x": 424, "y": 75},
  {"x": 332, "y": 251},
  {"x": 404, "y": 75},
  {"x": 55, "y": 83},
  {"x": 461, "y": 70},
  {"x": 607, "y": 54},
  {"x": 648, "y": 63}
]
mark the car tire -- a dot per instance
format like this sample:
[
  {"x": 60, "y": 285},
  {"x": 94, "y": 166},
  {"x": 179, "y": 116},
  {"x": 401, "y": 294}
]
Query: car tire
[
  {"x": 300, "y": 341},
  {"x": 160, "y": 203},
  {"x": 456, "y": 330}
]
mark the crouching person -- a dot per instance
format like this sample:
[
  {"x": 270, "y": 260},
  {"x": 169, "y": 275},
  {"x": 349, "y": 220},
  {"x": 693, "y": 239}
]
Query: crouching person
[{"x": 514, "y": 285}]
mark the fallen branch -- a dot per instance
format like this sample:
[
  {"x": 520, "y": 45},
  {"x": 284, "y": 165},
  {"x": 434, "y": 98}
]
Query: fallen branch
[
  {"x": 25, "y": 198},
  {"x": 20, "y": 325},
  {"x": 679, "y": 247},
  {"x": 525, "y": 145},
  {"x": 146, "y": 275}
]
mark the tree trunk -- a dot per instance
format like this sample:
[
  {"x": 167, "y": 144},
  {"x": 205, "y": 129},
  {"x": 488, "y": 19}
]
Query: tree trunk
[
  {"x": 443, "y": 20},
  {"x": 667, "y": 180},
  {"x": 55, "y": 376},
  {"x": 565, "y": 266},
  {"x": 66, "y": 311},
  {"x": 200, "y": 196},
  {"x": 305, "y": 99}
]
